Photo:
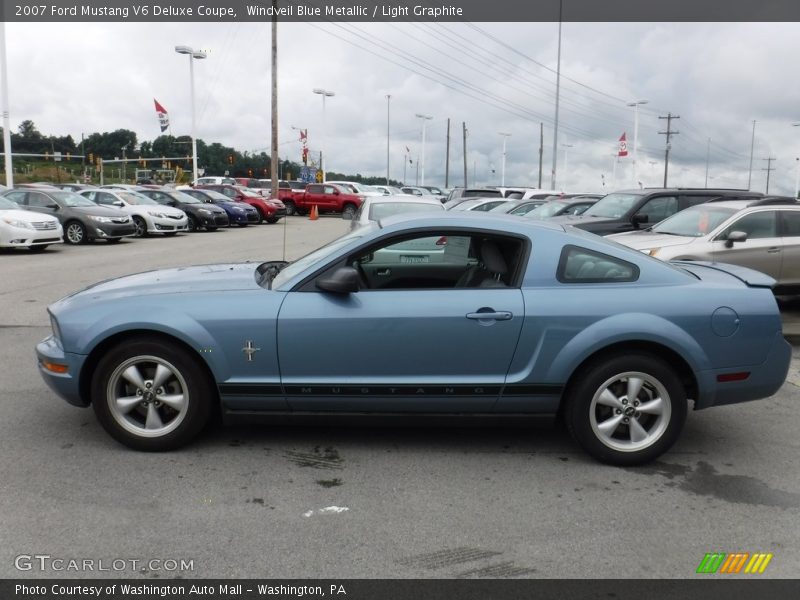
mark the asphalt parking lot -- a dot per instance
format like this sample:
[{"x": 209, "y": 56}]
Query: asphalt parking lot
[{"x": 364, "y": 502}]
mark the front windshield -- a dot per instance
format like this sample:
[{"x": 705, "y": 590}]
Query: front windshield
[
  {"x": 71, "y": 199},
  {"x": 216, "y": 196},
  {"x": 6, "y": 204},
  {"x": 135, "y": 198},
  {"x": 184, "y": 198},
  {"x": 695, "y": 222},
  {"x": 548, "y": 209},
  {"x": 613, "y": 206},
  {"x": 318, "y": 255},
  {"x": 381, "y": 210}
]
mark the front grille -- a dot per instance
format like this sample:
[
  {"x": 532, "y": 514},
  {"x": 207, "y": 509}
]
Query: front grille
[
  {"x": 221, "y": 219},
  {"x": 252, "y": 217},
  {"x": 44, "y": 225}
]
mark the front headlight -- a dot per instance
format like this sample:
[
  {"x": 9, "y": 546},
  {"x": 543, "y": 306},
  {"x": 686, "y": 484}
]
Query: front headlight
[
  {"x": 101, "y": 219},
  {"x": 158, "y": 215},
  {"x": 56, "y": 329},
  {"x": 204, "y": 211},
  {"x": 17, "y": 223},
  {"x": 236, "y": 209}
]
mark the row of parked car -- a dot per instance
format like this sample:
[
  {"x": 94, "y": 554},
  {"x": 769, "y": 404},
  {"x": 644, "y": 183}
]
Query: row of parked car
[{"x": 35, "y": 216}]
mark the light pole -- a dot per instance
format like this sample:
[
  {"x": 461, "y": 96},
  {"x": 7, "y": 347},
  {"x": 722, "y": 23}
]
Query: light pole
[
  {"x": 797, "y": 170},
  {"x": 566, "y": 165},
  {"x": 425, "y": 119},
  {"x": 635, "y": 104},
  {"x": 388, "y": 121},
  {"x": 503, "y": 168},
  {"x": 193, "y": 54},
  {"x": 324, "y": 94}
]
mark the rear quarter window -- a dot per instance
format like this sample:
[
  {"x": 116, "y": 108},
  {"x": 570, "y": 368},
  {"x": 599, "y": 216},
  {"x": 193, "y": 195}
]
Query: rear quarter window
[{"x": 580, "y": 265}]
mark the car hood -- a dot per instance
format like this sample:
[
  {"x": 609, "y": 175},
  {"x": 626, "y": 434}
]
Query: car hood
[
  {"x": 166, "y": 210},
  {"x": 26, "y": 216},
  {"x": 100, "y": 211},
  {"x": 644, "y": 240},
  {"x": 205, "y": 278}
]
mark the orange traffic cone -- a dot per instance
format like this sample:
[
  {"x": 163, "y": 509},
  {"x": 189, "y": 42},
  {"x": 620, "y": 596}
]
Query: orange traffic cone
[{"x": 314, "y": 214}]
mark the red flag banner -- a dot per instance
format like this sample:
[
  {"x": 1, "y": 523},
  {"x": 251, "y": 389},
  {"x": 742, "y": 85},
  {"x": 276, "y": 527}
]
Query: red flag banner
[
  {"x": 163, "y": 117},
  {"x": 623, "y": 146}
]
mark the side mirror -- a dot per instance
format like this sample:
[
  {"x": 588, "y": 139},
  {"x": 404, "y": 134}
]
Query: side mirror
[
  {"x": 53, "y": 206},
  {"x": 344, "y": 280},
  {"x": 735, "y": 236},
  {"x": 336, "y": 192},
  {"x": 119, "y": 203},
  {"x": 638, "y": 219}
]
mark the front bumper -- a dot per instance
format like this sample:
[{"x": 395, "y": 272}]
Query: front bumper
[
  {"x": 17, "y": 237},
  {"x": 112, "y": 230},
  {"x": 64, "y": 384},
  {"x": 214, "y": 220},
  {"x": 162, "y": 225}
]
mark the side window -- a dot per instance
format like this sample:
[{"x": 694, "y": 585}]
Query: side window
[
  {"x": 39, "y": 200},
  {"x": 229, "y": 192},
  {"x": 756, "y": 225},
  {"x": 328, "y": 190},
  {"x": 791, "y": 223},
  {"x": 580, "y": 265},
  {"x": 18, "y": 197},
  {"x": 90, "y": 195},
  {"x": 576, "y": 209},
  {"x": 314, "y": 189},
  {"x": 438, "y": 260},
  {"x": 659, "y": 208},
  {"x": 104, "y": 198}
]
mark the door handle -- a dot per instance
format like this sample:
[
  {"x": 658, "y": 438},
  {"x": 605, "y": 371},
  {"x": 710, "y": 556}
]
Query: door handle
[
  {"x": 773, "y": 250},
  {"x": 500, "y": 315},
  {"x": 383, "y": 272}
]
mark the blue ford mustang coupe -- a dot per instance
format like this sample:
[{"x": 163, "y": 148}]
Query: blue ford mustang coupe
[{"x": 457, "y": 314}]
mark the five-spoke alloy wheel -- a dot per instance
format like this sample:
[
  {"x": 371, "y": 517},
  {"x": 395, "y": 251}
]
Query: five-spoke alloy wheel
[
  {"x": 151, "y": 396},
  {"x": 627, "y": 409}
]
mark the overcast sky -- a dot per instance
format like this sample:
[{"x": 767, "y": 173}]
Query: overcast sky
[{"x": 74, "y": 78}]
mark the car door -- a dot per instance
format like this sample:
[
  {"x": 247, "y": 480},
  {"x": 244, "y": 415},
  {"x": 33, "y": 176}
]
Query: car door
[
  {"x": 42, "y": 203},
  {"x": 413, "y": 343},
  {"x": 762, "y": 250},
  {"x": 790, "y": 235}
]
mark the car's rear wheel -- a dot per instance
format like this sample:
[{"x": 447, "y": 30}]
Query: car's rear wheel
[
  {"x": 141, "y": 227},
  {"x": 74, "y": 233},
  {"x": 151, "y": 396},
  {"x": 291, "y": 209},
  {"x": 626, "y": 409}
]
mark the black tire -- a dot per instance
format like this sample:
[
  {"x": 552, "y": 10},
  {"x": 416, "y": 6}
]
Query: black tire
[
  {"x": 350, "y": 210},
  {"x": 41, "y": 248},
  {"x": 191, "y": 224},
  {"x": 74, "y": 233},
  {"x": 114, "y": 240},
  {"x": 614, "y": 444},
  {"x": 291, "y": 209},
  {"x": 141, "y": 227},
  {"x": 273, "y": 220},
  {"x": 187, "y": 379}
]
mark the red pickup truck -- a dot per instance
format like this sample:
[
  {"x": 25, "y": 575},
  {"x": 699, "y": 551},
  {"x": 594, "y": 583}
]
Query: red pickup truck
[{"x": 327, "y": 197}]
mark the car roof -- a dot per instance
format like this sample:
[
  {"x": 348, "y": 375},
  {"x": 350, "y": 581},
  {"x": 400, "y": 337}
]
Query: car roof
[
  {"x": 471, "y": 219},
  {"x": 743, "y": 203}
]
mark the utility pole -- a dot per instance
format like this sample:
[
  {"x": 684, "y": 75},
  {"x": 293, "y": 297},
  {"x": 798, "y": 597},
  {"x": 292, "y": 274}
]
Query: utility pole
[
  {"x": 668, "y": 133},
  {"x": 558, "y": 97},
  {"x": 388, "y": 120},
  {"x": 447, "y": 157},
  {"x": 752, "y": 144},
  {"x": 273, "y": 171},
  {"x": 768, "y": 169},
  {"x": 464, "y": 127},
  {"x": 708, "y": 154},
  {"x": 541, "y": 151}
]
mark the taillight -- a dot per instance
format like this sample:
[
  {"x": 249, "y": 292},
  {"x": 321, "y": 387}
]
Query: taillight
[{"x": 442, "y": 241}]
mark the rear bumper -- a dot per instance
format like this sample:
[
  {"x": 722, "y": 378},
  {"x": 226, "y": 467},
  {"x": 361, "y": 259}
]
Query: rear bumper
[{"x": 763, "y": 380}]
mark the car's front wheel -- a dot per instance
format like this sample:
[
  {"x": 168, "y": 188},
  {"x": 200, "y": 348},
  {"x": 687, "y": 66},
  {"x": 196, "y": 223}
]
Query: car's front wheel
[
  {"x": 74, "y": 233},
  {"x": 191, "y": 223},
  {"x": 151, "y": 396},
  {"x": 291, "y": 209},
  {"x": 141, "y": 227},
  {"x": 626, "y": 409}
]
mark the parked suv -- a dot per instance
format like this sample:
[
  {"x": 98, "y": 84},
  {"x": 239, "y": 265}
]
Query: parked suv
[
  {"x": 628, "y": 210},
  {"x": 82, "y": 219},
  {"x": 762, "y": 234}
]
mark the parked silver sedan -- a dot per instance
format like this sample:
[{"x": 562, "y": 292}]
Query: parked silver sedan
[
  {"x": 375, "y": 208},
  {"x": 762, "y": 234}
]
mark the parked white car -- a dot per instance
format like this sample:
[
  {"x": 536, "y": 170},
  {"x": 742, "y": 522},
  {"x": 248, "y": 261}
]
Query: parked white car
[
  {"x": 24, "y": 229},
  {"x": 148, "y": 215},
  {"x": 375, "y": 208}
]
